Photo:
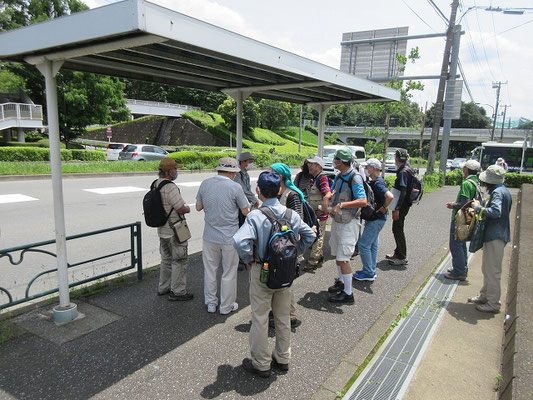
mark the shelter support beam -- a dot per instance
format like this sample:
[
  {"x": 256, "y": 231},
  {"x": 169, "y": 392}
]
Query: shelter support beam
[
  {"x": 66, "y": 311},
  {"x": 321, "y": 108},
  {"x": 239, "y": 96}
]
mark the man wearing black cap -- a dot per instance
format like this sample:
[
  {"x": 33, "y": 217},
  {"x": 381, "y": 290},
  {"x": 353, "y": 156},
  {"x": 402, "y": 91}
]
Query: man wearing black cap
[
  {"x": 251, "y": 242},
  {"x": 399, "y": 257},
  {"x": 246, "y": 160}
]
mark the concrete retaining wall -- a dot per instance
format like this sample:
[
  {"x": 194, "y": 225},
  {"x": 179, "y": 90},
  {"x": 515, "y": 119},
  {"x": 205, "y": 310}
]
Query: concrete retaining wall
[{"x": 517, "y": 349}]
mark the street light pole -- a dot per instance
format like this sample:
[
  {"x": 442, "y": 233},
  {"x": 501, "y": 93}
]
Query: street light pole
[{"x": 503, "y": 121}]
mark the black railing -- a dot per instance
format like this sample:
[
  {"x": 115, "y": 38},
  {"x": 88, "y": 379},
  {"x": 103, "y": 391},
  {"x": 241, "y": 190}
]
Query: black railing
[{"x": 135, "y": 251}]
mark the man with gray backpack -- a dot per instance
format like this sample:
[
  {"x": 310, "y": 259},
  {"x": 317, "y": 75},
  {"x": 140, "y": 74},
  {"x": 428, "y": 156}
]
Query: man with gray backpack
[
  {"x": 270, "y": 241},
  {"x": 469, "y": 190}
]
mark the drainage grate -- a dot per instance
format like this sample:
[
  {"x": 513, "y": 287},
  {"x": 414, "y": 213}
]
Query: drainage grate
[{"x": 389, "y": 375}]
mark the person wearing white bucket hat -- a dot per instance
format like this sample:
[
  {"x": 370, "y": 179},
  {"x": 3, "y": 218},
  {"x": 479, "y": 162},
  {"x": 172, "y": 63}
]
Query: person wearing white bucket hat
[
  {"x": 469, "y": 190},
  {"x": 497, "y": 235},
  {"x": 221, "y": 198}
]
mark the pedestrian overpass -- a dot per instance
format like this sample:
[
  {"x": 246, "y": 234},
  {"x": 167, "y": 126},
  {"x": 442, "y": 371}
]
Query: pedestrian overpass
[
  {"x": 19, "y": 116},
  {"x": 348, "y": 133},
  {"x": 143, "y": 107}
]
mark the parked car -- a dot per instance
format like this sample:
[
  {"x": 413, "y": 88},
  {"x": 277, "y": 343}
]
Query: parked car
[
  {"x": 458, "y": 163},
  {"x": 449, "y": 163},
  {"x": 113, "y": 150},
  {"x": 142, "y": 152},
  {"x": 358, "y": 154},
  {"x": 390, "y": 164}
]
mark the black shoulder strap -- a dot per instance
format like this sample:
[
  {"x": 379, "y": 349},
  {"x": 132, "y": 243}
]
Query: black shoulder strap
[
  {"x": 163, "y": 183},
  {"x": 272, "y": 217},
  {"x": 349, "y": 181}
]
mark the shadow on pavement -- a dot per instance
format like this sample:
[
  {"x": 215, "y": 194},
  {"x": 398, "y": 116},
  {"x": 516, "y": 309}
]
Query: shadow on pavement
[
  {"x": 231, "y": 379},
  {"x": 385, "y": 266},
  {"x": 149, "y": 326},
  {"x": 466, "y": 312},
  {"x": 363, "y": 286},
  {"x": 319, "y": 302}
]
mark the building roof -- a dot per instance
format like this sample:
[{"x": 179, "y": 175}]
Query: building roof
[{"x": 137, "y": 39}]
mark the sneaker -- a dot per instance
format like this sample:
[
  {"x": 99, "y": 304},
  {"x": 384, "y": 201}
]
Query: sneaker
[
  {"x": 163, "y": 292},
  {"x": 450, "y": 275},
  {"x": 354, "y": 254},
  {"x": 398, "y": 261},
  {"x": 450, "y": 269},
  {"x": 337, "y": 287},
  {"x": 390, "y": 256},
  {"x": 295, "y": 322},
  {"x": 363, "y": 276},
  {"x": 487, "y": 308},
  {"x": 211, "y": 307},
  {"x": 179, "y": 297},
  {"x": 310, "y": 267},
  {"x": 279, "y": 366},
  {"x": 234, "y": 307},
  {"x": 248, "y": 366},
  {"x": 341, "y": 297},
  {"x": 477, "y": 300}
]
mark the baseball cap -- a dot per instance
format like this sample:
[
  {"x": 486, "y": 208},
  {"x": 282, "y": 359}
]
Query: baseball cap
[
  {"x": 269, "y": 180},
  {"x": 402, "y": 154},
  {"x": 344, "y": 154},
  {"x": 473, "y": 165},
  {"x": 246, "y": 156},
  {"x": 228, "y": 164},
  {"x": 316, "y": 160},
  {"x": 493, "y": 175},
  {"x": 373, "y": 162},
  {"x": 167, "y": 163}
]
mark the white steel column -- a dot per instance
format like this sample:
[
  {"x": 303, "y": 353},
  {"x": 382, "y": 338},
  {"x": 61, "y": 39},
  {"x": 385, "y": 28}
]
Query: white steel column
[
  {"x": 321, "y": 108},
  {"x": 20, "y": 135},
  {"x": 65, "y": 311},
  {"x": 238, "y": 99}
]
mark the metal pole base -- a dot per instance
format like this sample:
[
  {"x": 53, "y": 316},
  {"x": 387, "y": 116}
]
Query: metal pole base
[{"x": 65, "y": 314}]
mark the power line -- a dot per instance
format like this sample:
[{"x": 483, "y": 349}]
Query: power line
[
  {"x": 421, "y": 19},
  {"x": 439, "y": 12},
  {"x": 496, "y": 44},
  {"x": 517, "y": 26}
]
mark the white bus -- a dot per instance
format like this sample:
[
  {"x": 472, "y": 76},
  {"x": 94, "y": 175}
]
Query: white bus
[{"x": 517, "y": 155}]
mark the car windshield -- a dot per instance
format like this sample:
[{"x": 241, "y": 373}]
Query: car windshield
[
  {"x": 130, "y": 148},
  {"x": 115, "y": 146},
  {"x": 459, "y": 160},
  {"x": 329, "y": 153}
]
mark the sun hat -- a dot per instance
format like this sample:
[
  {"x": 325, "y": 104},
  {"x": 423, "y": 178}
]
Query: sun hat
[
  {"x": 493, "y": 175},
  {"x": 344, "y": 154},
  {"x": 473, "y": 165},
  {"x": 269, "y": 180},
  {"x": 372, "y": 162},
  {"x": 228, "y": 164},
  {"x": 316, "y": 160},
  {"x": 167, "y": 163},
  {"x": 246, "y": 156}
]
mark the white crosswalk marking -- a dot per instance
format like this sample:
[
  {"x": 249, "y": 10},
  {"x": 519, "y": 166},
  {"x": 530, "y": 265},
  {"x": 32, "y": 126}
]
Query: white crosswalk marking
[
  {"x": 116, "y": 189},
  {"x": 15, "y": 198},
  {"x": 198, "y": 183}
]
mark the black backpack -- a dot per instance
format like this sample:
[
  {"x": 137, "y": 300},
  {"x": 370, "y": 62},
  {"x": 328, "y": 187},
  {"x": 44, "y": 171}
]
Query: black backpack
[
  {"x": 415, "y": 187},
  {"x": 281, "y": 252},
  {"x": 368, "y": 211},
  {"x": 154, "y": 212},
  {"x": 310, "y": 217}
]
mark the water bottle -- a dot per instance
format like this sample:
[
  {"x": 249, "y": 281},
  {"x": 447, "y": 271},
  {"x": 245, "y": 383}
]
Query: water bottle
[
  {"x": 264, "y": 273},
  {"x": 329, "y": 208}
]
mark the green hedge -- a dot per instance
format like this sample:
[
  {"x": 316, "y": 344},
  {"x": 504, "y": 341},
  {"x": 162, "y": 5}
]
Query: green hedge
[
  {"x": 43, "y": 154},
  {"x": 191, "y": 159},
  {"x": 516, "y": 180}
]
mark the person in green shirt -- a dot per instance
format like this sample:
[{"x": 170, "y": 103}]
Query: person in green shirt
[{"x": 469, "y": 188}]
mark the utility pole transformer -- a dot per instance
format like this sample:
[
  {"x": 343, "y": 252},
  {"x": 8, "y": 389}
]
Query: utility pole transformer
[{"x": 442, "y": 85}]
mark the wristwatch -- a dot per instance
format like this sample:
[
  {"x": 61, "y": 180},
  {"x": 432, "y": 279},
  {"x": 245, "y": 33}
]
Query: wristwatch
[{"x": 340, "y": 205}]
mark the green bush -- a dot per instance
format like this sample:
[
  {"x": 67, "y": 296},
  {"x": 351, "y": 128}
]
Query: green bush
[
  {"x": 454, "y": 178},
  {"x": 33, "y": 136},
  {"x": 185, "y": 157},
  {"x": 20, "y": 144},
  {"x": 389, "y": 181},
  {"x": 194, "y": 165},
  {"x": 516, "y": 180},
  {"x": 40, "y": 154},
  {"x": 311, "y": 129},
  {"x": 432, "y": 182},
  {"x": 88, "y": 155}
]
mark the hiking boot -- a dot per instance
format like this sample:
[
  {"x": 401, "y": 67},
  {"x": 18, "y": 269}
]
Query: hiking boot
[
  {"x": 487, "y": 308},
  {"x": 363, "y": 276},
  {"x": 295, "y": 323},
  {"x": 234, "y": 307},
  {"x": 450, "y": 275},
  {"x": 398, "y": 261},
  {"x": 211, "y": 308},
  {"x": 310, "y": 267},
  {"x": 248, "y": 366},
  {"x": 337, "y": 286},
  {"x": 279, "y": 366},
  {"x": 163, "y": 292},
  {"x": 341, "y": 297},
  {"x": 179, "y": 297},
  {"x": 477, "y": 300}
]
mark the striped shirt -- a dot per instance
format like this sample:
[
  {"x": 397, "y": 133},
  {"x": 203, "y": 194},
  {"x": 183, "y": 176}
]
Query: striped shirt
[
  {"x": 323, "y": 186},
  {"x": 221, "y": 199}
]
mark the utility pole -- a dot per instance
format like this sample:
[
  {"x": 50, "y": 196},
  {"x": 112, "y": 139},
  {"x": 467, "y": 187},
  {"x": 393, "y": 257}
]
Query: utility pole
[
  {"x": 422, "y": 134},
  {"x": 497, "y": 86},
  {"x": 442, "y": 85},
  {"x": 503, "y": 121}
]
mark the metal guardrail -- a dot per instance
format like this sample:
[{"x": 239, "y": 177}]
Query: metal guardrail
[
  {"x": 135, "y": 251},
  {"x": 21, "y": 111},
  {"x": 161, "y": 105}
]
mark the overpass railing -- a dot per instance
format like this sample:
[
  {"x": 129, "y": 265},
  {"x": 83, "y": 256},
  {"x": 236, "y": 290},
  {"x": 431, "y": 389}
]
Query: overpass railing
[
  {"x": 21, "y": 111},
  {"x": 134, "y": 251},
  {"x": 161, "y": 105}
]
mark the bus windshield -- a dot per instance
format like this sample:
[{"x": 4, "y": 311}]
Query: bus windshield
[{"x": 512, "y": 154}]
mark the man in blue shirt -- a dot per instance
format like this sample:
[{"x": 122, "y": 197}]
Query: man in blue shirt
[
  {"x": 497, "y": 235},
  {"x": 369, "y": 240},
  {"x": 348, "y": 197},
  {"x": 251, "y": 242},
  {"x": 399, "y": 257}
]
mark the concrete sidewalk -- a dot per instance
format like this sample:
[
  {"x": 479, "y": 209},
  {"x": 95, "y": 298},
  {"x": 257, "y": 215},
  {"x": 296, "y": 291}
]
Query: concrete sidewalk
[{"x": 134, "y": 344}]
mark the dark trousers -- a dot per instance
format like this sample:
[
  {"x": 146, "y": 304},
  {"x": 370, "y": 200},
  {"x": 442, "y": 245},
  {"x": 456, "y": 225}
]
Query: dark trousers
[{"x": 399, "y": 236}]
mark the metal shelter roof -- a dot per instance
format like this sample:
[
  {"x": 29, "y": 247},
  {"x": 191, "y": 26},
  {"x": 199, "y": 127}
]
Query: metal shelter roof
[{"x": 140, "y": 40}]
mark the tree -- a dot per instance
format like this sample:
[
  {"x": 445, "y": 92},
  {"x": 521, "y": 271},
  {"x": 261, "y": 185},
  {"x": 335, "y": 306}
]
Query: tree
[
  {"x": 275, "y": 114},
  {"x": 84, "y": 99},
  {"x": 250, "y": 118},
  {"x": 472, "y": 116},
  {"x": 10, "y": 82}
]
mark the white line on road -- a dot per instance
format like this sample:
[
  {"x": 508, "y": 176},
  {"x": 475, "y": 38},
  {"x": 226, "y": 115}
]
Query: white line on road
[
  {"x": 116, "y": 189},
  {"x": 15, "y": 198},
  {"x": 198, "y": 183}
]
